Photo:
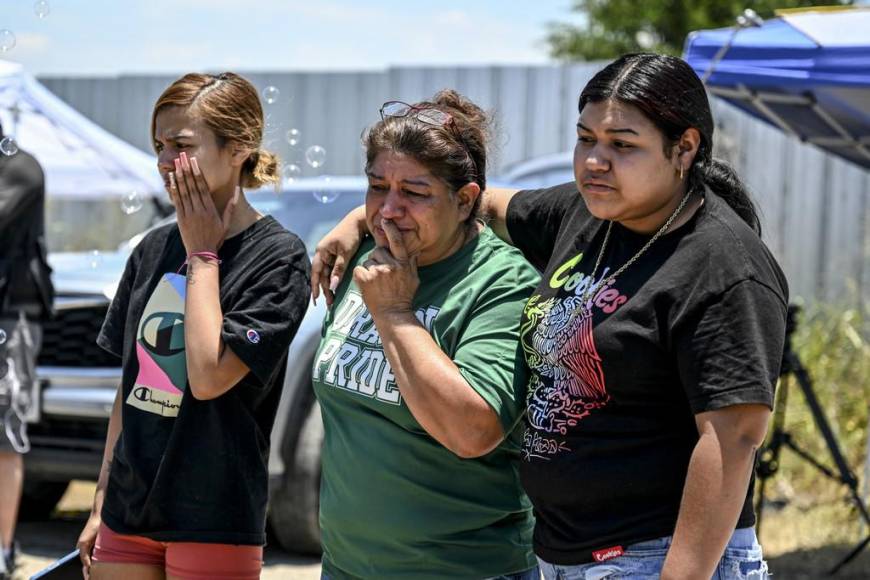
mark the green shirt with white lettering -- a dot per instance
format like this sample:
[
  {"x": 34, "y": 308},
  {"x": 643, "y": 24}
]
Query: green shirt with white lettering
[{"x": 395, "y": 503}]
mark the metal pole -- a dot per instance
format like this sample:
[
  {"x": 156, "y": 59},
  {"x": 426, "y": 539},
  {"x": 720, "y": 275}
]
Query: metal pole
[{"x": 747, "y": 19}]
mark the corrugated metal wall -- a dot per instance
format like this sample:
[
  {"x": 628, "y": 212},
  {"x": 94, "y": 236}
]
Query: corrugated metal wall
[
  {"x": 815, "y": 207},
  {"x": 535, "y": 106}
]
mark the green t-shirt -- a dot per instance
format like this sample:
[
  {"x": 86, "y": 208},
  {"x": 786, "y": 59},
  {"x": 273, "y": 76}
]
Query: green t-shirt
[{"x": 395, "y": 503}]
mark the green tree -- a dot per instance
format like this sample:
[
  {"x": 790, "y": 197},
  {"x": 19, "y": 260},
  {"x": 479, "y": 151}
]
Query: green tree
[{"x": 614, "y": 27}]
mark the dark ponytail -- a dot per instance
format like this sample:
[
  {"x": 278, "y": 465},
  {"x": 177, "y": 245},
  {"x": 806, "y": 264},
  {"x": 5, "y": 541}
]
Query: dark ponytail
[
  {"x": 724, "y": 182},
  {"x": 669, "y": 93}
]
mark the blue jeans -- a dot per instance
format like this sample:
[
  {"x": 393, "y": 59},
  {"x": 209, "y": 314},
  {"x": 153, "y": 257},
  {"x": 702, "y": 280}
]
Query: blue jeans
[{"x": 742, "y": 560}]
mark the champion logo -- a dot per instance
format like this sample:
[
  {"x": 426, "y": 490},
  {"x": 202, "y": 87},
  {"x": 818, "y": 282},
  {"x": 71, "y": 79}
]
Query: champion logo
[
  {"x": 253, "y": 336},
  {"x": 608, "y": 553}
]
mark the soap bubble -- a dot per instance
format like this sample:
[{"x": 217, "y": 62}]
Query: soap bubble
[
  {"x": 293, "y": 137},
  {"x": 96, "y": 259},
  {"x": 271, "y": 94},
  {"x": 270, "y": 125},
  {"x": 131, "y": 203},
  {"x": 8, "y": 146},
  {"x": 41, "y": 8},
  {"x": 315, "y": 156},
  {"x": 324, "y": 192},
  {"x": 291, "y": 173},
  {"x": 7, "y": 40},
  {"x": 2, "y": 336}
]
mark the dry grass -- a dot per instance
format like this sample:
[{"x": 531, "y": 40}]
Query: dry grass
[{"x": 804, "y": 542}]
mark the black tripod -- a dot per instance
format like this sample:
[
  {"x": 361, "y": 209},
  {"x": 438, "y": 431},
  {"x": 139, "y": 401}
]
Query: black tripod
[{"x": 768, "y": 457}]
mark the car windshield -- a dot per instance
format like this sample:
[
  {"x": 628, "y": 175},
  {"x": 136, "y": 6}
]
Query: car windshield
[{"x": 302, "y": 214}]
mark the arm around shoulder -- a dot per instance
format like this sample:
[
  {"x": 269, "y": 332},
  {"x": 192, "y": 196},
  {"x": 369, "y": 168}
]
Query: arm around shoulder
[
  {"x": 494, "y": 208},
  {"x": 334, "y": 252}
]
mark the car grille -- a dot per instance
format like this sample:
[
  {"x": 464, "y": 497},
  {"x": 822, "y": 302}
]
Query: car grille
[
  {"x": 80, "y": 434},
  {"x": 70, "y": 339}
]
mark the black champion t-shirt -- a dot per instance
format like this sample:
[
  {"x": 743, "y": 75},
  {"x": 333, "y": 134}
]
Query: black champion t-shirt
[
  {"x": 697, "y": 323},
  {"x": 185, "y": 469}
]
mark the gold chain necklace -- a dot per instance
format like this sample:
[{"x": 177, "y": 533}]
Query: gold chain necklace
[{"x": 593, "y": 288}]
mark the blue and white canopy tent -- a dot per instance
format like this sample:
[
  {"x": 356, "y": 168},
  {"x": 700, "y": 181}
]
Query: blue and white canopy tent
[{"x": 806, "y": 72}]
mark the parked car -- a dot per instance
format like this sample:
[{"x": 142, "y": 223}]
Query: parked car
[
  {"x": 79, "y": 380},
  {"x": 543, "y": 171}
]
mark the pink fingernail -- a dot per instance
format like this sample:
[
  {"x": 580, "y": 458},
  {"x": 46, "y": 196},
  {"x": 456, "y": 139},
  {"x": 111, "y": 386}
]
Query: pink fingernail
[
  {"x": 195, "y": 166},
  {"x": 333, "y": 283}
]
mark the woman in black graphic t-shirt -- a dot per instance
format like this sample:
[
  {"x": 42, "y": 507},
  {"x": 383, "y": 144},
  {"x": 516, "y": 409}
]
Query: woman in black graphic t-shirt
[
  {"x": 202, "y": 319},
  {"x": 654, "y": 339}
]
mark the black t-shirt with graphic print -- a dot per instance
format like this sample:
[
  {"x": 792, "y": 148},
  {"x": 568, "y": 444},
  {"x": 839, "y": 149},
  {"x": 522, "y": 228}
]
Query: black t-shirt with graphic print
[
  {"x": 194, "y": 470},
  {"x": 697, "y": 323}
]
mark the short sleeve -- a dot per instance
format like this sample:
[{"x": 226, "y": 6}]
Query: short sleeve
[
  {"x": 534, "y": 218},
  {"x": 111, "y": 336},
  {"x": 730, "y": 351},
  {"x": 260, "y": 324},
  {"x": 489, "y": 355}
]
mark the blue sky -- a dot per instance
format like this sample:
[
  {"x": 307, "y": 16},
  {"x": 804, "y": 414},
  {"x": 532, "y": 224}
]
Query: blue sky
[{"x": 101, "y": 37}]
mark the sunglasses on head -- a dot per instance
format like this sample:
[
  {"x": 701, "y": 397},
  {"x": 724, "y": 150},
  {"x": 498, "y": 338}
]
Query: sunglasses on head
[{"x": 425, "y": 114}]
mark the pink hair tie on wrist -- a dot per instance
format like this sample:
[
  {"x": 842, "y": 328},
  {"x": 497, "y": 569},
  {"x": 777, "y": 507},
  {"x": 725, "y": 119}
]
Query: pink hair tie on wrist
[{"x": 204, "y": 255}]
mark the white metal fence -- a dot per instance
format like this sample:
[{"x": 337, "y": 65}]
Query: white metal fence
[{"x": 815, "y": 207}]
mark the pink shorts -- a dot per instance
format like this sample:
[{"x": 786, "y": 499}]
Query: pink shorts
[{"x": 188, "y": 560}]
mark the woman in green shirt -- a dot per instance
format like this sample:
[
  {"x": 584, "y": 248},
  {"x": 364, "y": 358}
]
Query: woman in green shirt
[{"x": 416, "y": 373}]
